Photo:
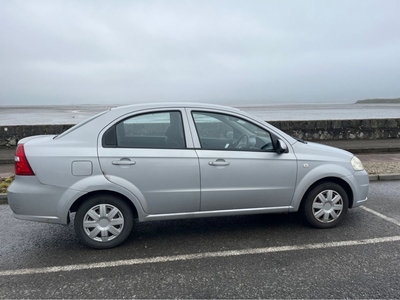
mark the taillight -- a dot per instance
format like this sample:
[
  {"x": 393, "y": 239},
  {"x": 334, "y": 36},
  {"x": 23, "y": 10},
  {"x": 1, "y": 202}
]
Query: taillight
[{"x": 22, "y": 166}]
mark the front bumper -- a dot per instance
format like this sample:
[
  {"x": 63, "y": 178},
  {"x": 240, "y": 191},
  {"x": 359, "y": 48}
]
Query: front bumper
[{"x": 360, "y": 187}]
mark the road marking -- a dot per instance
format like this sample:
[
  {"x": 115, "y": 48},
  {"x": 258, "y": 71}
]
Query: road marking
[
  {"x": 186, "y": 257},
  {"x": 381, "y": 216}
]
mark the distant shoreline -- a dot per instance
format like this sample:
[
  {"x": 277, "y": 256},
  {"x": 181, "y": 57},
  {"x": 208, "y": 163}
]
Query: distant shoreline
[{"x": 379, "y": 101}]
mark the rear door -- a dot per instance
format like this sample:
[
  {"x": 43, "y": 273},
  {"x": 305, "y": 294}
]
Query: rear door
[{"x": 148, "y": 154}]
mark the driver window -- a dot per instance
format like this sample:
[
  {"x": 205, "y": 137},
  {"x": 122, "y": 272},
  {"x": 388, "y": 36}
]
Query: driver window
[{"x": 224, "y": 132}]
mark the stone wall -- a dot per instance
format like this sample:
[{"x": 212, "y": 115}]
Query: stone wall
[
  {"x": 307, "y": 130},
  {"x": 10, "y": 135},
  {"x": 368, "y": 129}
]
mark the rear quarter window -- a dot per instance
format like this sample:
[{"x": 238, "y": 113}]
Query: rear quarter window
[{"x": 80, "y": 124}]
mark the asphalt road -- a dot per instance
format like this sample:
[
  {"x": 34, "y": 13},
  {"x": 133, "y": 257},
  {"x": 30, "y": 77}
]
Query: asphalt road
[{"x": 262, "y": 256}]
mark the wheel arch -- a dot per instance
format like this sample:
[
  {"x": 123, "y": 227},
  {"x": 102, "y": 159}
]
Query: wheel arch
[
  {"x": 78, "y": 202},
  {"x": 336, "y": 180}
]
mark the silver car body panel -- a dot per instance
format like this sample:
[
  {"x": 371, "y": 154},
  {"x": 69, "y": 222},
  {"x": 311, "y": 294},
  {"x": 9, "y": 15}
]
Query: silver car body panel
[
  {"x": 317, "y": 162},
  {"x": 246, "y": 182},
  {"x": 215, "y": 213},
  {"x": 175, "y": 170},
  {"x": 186, "y": 185},
  {"x": 176, "y": 173}
]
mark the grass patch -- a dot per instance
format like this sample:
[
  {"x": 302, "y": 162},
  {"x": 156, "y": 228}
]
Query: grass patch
[{"x": 5, "y": 183}]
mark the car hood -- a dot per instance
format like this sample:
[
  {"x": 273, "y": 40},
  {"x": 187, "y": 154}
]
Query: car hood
[{"x": 319, "y": 152}]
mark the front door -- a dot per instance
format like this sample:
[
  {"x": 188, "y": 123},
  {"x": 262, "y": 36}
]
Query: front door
[{"x": 238, "y": 164}]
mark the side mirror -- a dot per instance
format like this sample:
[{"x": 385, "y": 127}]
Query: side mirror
[{"x": 281, "y": 147}]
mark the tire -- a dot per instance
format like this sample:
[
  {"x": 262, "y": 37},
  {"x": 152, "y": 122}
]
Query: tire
[
  {"x": 326, "y": 205},
  {"x": 103, "y": 221}
]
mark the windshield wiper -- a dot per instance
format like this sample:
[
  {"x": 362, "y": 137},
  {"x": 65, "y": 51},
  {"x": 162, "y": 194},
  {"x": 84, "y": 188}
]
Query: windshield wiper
[{"x": 300, "y": 140}]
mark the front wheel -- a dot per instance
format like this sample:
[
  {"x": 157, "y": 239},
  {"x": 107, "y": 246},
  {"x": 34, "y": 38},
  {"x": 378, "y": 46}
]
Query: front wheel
[
  {"x": 325, "y": 205},
  {"x": 103, "y": 221}
]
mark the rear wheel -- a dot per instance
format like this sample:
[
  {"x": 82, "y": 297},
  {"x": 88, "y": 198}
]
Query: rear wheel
[
  {"x": 326, "y": 205},
  {"x": 103, "y": 221}
]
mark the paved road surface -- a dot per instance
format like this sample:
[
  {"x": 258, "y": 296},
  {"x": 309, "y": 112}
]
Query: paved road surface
[{"x": 265, "y": 256}]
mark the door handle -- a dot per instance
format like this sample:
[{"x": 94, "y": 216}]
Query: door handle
[
  {"x": 219, "y": 163},
  {"x": 123, "y": 162}
]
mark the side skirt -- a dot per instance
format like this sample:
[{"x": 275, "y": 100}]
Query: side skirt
[{"x": 215, "y": 213}]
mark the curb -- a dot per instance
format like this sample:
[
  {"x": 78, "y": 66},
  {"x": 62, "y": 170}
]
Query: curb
[
  {"x": 3, "y": 199},
  {"x": 7, "y": 161},
  {"x": 380, "y": 177},
  {"x": 389, "y": 177},
  {"x": 372, "y": 150},
  {"x": 384, "y": 177},
  {"x": 373, "y": 177}
]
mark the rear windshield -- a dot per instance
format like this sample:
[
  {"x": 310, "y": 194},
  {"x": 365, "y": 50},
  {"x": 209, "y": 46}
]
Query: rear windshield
[{"x": 80, "y": 124}]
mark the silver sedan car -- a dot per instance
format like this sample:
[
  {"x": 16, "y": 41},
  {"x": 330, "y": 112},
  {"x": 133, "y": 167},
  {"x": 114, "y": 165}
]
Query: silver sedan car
[{"x": 174, "y": 161}]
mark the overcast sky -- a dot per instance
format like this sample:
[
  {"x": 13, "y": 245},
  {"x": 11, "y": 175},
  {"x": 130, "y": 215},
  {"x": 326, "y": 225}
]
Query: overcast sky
[{"x": 228, "y": 52}]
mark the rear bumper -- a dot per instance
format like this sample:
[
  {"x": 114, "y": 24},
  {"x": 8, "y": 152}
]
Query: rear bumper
[{"x": 33, "y": 201}]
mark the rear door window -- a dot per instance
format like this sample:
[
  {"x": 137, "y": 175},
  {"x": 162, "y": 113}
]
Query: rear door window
[{"x": 151, "y": 130}]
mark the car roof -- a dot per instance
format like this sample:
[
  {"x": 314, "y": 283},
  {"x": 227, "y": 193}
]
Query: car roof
[
  {"x": 118, "y": 111},
  {"x": 101, "y": 120},
  {"x": 143, "y": 106}
]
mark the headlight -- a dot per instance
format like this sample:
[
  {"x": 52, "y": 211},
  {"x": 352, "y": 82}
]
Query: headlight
[{"x": 357, "y": 164}]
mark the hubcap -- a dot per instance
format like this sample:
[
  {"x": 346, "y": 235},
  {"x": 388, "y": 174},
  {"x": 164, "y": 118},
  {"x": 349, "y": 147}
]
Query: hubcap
[
  {"x": 327, "y": 206},
  {"x": 103, "y": 222}
]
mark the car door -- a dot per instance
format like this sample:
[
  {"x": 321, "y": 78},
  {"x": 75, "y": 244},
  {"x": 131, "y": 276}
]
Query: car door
[
  {"x": 238, "y": 164},
  {"x": 147, "y": 153}
]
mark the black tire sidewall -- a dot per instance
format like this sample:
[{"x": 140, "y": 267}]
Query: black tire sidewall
[
  {"x": 103, "y": 199},
  {"x": 307, "y": 207}
]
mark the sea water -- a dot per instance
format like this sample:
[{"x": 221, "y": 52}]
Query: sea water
[{"x": 73, "y": 114}]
